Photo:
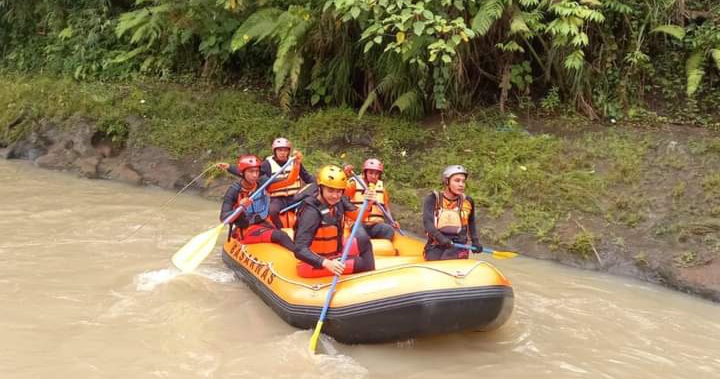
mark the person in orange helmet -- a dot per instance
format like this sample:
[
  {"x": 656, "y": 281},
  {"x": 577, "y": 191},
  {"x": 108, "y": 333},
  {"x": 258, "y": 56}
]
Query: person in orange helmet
[
  {"x": 319, "y": 231},
  {"x": 374, "y": 221}
]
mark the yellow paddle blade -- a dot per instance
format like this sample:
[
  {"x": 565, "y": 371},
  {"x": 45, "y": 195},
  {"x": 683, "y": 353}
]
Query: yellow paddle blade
[
  {"x": 194, "y": 252},
  {"x": 315, "y": 337},
  {"x": 504, "y": 254}
]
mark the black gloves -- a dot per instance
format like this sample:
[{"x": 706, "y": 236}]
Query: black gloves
[
  {"x": 445, "y": 242},
  {"x": 478, "y": 247}
]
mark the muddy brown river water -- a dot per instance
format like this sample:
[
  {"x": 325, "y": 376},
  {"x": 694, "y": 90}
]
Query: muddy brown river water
[{"x": 81, "y": 300}]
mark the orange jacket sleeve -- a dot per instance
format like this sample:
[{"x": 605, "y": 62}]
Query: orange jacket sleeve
[
  {"x": 350, "y": 191},
  {"x": 294, "y": 174}
]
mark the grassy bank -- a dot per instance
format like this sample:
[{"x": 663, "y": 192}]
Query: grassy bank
[{"x": 576, "y": 188}]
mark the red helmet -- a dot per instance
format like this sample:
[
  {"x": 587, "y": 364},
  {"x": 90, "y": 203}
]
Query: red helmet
[
  {"x": 281, "y": 142},
  {"x": 373, "y": 164},
  {"x": 247, "y": 161}
]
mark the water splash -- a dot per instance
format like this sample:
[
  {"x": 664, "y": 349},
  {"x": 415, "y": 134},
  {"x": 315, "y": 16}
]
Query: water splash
[
  {"x": 329, "y": 363},
  {"x": 148, "y": 280},
  {"x": 217, "y": 275}
]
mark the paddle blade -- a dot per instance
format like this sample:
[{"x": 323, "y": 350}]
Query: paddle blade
[
  {"x": 315, "y": 337},
  {"x": 196, "y": 250},
  {"x": 504, "y": 254}
]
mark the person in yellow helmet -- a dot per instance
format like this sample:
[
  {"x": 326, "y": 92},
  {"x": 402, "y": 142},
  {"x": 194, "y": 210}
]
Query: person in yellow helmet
[{"x": 319, "y": 230}]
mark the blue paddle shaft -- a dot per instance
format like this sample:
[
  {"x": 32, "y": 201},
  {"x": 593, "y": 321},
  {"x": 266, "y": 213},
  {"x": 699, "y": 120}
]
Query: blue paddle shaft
[
  {"x": 470, "y": 247},
  {"x": 346, "y": 250},
  {"x": 382, "y": 208},
  {"x": 257, "y": 192},
  {"x": 291, "y": 207}
]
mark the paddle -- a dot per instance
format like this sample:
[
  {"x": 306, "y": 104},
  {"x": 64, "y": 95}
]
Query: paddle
[
  {"x": 382, "y": 207},
  {"x": 291, "y": 206},
  {"x": 495, "y": 254},
  {"x": 198, "y": 248},
  {"x": 331, "y": 291}
]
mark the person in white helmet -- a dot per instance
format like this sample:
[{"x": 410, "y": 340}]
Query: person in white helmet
[
  {"x": 280, "y": 198},
  {"x": 449, "y": 217}
]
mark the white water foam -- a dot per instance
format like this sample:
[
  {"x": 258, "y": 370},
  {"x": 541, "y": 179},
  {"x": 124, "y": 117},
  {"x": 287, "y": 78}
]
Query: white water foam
[
  {"x": 217, "y": 275},
  {"x": 328, "y": 363},
  {"x": 148, "y": 280}
]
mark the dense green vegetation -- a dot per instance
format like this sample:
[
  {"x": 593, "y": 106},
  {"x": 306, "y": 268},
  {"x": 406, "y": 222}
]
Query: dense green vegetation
[{"x": 609, "y": 58}]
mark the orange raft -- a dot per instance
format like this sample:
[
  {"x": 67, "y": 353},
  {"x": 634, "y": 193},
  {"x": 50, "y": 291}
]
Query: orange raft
[{"x": 405, "y": 297}]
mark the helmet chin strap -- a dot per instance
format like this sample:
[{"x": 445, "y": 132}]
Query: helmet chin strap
[
  {"x": 277, "y": 159},
  {"x": 451, "y": 191},
  {"x": 246, "y": 184},
  {"x": 322, "y": 195},
  {"x": 365, "y": 177}
]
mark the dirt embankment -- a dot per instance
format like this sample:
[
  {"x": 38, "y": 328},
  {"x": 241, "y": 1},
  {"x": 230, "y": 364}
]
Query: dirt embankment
[
  {"x": 667, "y": 236},
  {"x": 78, "y": 146}
]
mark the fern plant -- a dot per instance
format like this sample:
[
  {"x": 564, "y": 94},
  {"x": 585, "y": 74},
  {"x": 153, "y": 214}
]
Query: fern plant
[
  {"x": 165, "y": 35},
  {"x": 287, "y": 30},
  {"x": 426, "y": 35},
  {"x": 703, "y": 43}
]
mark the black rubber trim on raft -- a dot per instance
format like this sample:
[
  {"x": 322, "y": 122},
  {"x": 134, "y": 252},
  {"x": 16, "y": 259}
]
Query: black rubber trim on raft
[{"x": 394, "y": 318}]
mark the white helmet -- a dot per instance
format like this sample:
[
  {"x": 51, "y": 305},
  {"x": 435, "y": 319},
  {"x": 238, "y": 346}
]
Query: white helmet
[{"x": 452, "y": 170}]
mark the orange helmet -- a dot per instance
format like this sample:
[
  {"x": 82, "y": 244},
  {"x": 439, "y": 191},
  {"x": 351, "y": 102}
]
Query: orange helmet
[
  {"x": 247, "y": 161},
  {"x": 332, "y": 176},
  {"x": 373, "y": 164},
  {"x": 281, "y": 142}
]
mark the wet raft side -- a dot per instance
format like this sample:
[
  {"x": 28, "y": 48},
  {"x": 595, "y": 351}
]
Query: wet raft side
[{"x": 404, "y": 297}]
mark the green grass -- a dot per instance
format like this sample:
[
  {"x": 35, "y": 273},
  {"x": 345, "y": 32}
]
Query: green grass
[
  {"x": 583, "y": 244},
  {"x": 183, "y": 121},
  {"x": 538, "y": 179}
]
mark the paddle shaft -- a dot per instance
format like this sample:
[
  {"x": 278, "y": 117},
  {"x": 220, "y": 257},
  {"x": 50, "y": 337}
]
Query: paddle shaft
[
  {"x": 470, "y": 247},
  {"x": 291, "y": 207},
  {"x": 382, "y": 207},
  {"x": 258, "y": 191},
  {"x": 331, "y": 291}
]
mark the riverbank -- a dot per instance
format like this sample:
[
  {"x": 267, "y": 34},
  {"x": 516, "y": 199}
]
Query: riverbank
[{"x": 624, "y": 198}]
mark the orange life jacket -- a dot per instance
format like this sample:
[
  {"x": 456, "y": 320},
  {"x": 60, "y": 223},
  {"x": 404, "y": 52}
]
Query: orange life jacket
[
  {"x": 284, "y": 191},
  {"x": 258, "y": 211},
  {"x": 375, "y": 215},
  {"x": 244, "y": 193},
  {"x": 328, "y": 236}
]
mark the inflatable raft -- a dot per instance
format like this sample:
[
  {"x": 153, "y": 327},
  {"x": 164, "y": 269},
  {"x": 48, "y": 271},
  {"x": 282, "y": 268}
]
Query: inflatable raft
[{"x": 405, "y": 297}]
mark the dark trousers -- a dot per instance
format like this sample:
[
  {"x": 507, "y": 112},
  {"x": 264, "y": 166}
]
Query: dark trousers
[
  {"x": 380, "y": 230},
  {"x": 434, "y": 252},
  {"x": 277, "y": 204}
]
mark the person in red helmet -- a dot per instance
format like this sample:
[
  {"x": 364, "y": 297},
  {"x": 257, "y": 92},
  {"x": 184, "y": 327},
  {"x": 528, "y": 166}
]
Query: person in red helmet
[
  {"x": 374, "y": 220},
  {"x": 252, "y": 225},
  {"x": 449, "y": 217},
  {"x": 281, "y": 197}
]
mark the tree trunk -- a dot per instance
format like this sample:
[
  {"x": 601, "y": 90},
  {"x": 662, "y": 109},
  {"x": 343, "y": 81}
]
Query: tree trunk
[{"x": 504, "y": 86}]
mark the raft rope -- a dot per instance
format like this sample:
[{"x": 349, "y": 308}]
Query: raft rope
[
  {"x": 162, "y": 208},
  {"x": 317, "y": 287}
]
